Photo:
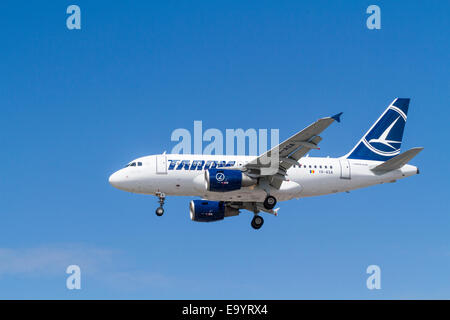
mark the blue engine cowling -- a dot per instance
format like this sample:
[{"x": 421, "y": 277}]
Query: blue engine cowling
[
  {"x": 222, "y": 180},
  {"x": 208, "y": 211}
]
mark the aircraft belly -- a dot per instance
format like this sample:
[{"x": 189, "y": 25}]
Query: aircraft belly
[{"x": 245, "y": 195}]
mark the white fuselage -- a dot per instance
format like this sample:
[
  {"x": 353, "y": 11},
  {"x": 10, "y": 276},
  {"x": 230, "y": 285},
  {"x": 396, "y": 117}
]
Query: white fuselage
[{"x": 184, "y": 175}]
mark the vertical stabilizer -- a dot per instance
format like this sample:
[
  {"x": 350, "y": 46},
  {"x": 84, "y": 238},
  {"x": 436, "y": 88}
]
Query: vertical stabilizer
[{"x": 383, "y": 140}]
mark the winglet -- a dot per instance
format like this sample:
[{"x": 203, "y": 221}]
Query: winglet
[{"x": 337, "y": 117}]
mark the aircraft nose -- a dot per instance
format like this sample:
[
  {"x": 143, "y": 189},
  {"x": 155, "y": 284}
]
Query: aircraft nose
[
  {"x": 122, "y": 181},
  {"x": 115, "y": 179}
]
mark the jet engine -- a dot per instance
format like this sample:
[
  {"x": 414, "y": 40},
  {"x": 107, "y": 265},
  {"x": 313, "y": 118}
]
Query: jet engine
[
  {"x": 208, "y": 211},
  {"x": 220, "y": 180}
]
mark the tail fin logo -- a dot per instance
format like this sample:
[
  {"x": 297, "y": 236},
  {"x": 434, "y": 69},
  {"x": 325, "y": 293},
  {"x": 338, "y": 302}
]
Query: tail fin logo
[{"x": 383, "y": 138}]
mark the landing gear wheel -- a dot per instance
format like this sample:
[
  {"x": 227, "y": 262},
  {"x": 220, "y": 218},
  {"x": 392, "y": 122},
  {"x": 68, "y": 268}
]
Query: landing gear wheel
[
  {"x": 257, "y": 222},
  {"x": 270, "y": 202},
  {"x": 159, "y": 211},
  {"x": 161, "y": 197}
]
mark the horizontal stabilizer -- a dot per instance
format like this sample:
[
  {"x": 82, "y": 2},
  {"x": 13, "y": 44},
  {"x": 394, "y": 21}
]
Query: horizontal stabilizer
[{"x": 398, "y": 161}]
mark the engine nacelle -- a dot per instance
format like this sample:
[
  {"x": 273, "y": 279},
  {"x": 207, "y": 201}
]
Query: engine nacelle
[
  {"x": 208, "y": 211},
  {"x": 220, "y": 180}
]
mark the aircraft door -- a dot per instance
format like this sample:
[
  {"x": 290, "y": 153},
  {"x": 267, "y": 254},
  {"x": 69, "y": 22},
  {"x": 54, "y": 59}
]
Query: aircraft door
[
  {"x": 161, "y": 164},
  {"x": 345, "y": 169}
]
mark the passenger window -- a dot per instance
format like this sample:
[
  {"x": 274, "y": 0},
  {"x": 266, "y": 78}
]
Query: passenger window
[
  {"x": 320, "y": 167},
  {"x": 139, "y": 164},
  {"x": 325, "y": 167},
  {"x": 331, "y": 167},
  {"x": 315, "y": 167}
]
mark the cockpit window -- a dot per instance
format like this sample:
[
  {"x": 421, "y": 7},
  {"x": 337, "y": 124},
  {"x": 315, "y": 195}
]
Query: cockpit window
[{"x": 134, "y": 164}]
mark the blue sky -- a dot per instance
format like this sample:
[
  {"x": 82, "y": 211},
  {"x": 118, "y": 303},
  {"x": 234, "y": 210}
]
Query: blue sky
[{"x": 79, "y": 104}]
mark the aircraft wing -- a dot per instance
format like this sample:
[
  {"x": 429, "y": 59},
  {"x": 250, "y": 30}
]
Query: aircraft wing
[{"x": 274, "y": 163}]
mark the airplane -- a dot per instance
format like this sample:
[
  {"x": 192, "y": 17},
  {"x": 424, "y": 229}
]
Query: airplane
[{"x": 228, "y": 184}]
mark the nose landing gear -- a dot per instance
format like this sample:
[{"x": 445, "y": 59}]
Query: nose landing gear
[{"x": 160, "y": 211}]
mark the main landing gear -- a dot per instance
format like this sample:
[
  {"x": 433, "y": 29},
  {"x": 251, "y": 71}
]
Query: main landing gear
[
  {"x": 160, "y": 211},
  {"x": 267, "y": 206},
  {"x": 269, "y": 202},
  {"x": 257, "y": 222}
]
